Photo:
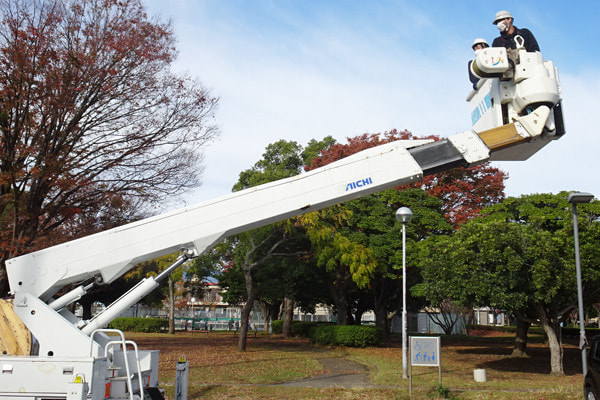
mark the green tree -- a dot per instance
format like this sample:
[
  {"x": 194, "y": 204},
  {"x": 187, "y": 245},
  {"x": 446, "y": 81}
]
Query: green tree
[
  {"x": 519, "y": 257},
  {"x": 373, "y": 226},
  {"x": 201, "y": 268},
  {"x": 291, "y": 281},
  {"x": 349, "y": 264},
  {"x": 256, "y": 248}
]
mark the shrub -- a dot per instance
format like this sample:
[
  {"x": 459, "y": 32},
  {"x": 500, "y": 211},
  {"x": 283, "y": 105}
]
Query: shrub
[
  {"x": 139, "y": 324},
  {"x": 277, "y": 326},
  {"x": 298, "y": 328},
  {"x": 347, "y": 335},
  {"x": 302, "y": 328},
  {"x": 323, "y": 334}
]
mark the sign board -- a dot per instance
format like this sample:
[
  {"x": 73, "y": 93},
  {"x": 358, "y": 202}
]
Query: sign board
[{"x": 425, "y": 351}]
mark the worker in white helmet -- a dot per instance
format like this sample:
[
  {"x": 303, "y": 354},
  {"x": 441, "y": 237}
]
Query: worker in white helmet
[
  {"x": 512, "y": 37},
  {"x": 478, "y": 45}
]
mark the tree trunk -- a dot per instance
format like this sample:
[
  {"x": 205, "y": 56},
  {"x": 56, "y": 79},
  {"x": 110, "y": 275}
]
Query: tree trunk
[
  {"x": 556, "y": 350},
  {"x": 380, "y": 309},
  {"x": 520, "y": 348},
  {"x": 363, "y": 304},
  {"x": 447, "y": 317},
  {"x": 245, "y": 317},
  {"x": 171, "y": 307},
  {"x": 244, "y": 323},
  {"x": 358, "y": 317},
  {"x": 288, "y": 316},
  {"x": 381, "y": 321},
  {"x": 341, "y": 306},
  {"x": 597, "y": 308},
  {"x": 468, "y": 318},
  {"x": 266, "y": 321},
  {"x": 444, "y": 320},
  {"x": 336, "y": 289},
  {"x": 267, "y": 313},
  {"x": 349, "y": 316}
]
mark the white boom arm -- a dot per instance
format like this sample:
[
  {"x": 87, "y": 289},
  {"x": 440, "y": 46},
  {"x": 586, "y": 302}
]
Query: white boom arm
[
  {"x": 515, "y": 132},
  {"x": 35, "y": 277}
]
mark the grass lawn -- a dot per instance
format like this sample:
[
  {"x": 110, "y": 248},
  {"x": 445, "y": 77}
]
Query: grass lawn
[{"x": 219, "y": 371}]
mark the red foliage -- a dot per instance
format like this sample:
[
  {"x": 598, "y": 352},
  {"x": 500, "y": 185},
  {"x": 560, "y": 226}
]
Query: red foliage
[
  {"x": 356, "y": 144},
  {"x": 90, "y": 113},
  {"x": 464, "y": 191}
]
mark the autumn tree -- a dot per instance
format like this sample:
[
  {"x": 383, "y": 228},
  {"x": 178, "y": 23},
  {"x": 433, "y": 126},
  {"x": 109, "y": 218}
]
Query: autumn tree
[
  {"x": 464, "y": 191},
  {"x": 91, "y": 117}
]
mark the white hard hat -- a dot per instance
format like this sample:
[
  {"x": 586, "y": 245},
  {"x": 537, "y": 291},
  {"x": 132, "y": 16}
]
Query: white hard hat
[
  {"x": 480, "y": 41},
  {"x": 501, "y": 15}
]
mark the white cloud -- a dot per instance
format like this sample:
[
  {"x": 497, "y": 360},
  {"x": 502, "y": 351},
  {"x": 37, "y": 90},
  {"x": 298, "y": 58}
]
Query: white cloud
[
  {"x": 267, "y": 98},
  {"x": 338, "y": 86}
]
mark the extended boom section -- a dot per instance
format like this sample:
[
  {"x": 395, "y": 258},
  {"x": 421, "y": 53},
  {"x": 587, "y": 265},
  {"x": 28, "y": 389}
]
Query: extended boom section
[{"x": 72, "y": 348}]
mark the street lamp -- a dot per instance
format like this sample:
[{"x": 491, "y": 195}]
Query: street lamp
[
  {"x": 404, "y": 215},
  {"x": 193, "y": 300},
  {"x": 579, "y": 198}
]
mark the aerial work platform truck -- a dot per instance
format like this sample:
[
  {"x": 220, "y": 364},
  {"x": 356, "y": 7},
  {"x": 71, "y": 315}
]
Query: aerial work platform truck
[{"x": 516, "y": 110}]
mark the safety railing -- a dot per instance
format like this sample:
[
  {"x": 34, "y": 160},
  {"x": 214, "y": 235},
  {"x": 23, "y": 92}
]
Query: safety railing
[{"x": 123, "y": 343}]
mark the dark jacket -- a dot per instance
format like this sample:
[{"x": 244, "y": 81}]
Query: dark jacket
[{"x": 506, "y": 40}]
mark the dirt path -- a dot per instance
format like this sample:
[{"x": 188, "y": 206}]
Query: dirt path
[{"x": 337, "y": 372}]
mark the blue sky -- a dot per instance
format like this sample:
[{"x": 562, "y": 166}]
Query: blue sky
[{"x": 298, "y": 70}]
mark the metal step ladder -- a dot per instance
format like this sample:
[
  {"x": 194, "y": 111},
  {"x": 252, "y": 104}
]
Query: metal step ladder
[{"x": 122, "y": 383}]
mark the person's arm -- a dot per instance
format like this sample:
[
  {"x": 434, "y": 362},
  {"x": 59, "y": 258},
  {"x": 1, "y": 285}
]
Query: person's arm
[{"x": 530, "y": 43}]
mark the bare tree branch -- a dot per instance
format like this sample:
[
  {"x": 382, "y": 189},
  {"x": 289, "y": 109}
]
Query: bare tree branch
[{"x": 91, "y": 118}]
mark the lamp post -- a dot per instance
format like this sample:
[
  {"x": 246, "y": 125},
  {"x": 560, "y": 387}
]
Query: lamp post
[
  {"x": 404, "y": 215},
  {"x": 574, "y": 199},
  {"x": 193, "y": 300}
]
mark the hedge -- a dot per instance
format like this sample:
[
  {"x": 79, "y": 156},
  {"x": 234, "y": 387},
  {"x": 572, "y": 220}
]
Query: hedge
[
  {"x": 302, "y": 328},
  {"x": 330, "y": 334},
  {"x": 347, "y": 335},
  {"x": 568, "y": 331},
  {"x": 298, "y": 328},
  {"x": 334, "y": 335},
  {"x": 139, "y": 324}
]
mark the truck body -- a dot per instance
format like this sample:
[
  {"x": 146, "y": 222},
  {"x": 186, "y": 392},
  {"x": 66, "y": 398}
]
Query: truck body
[{"x": 77, "y": 359}]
